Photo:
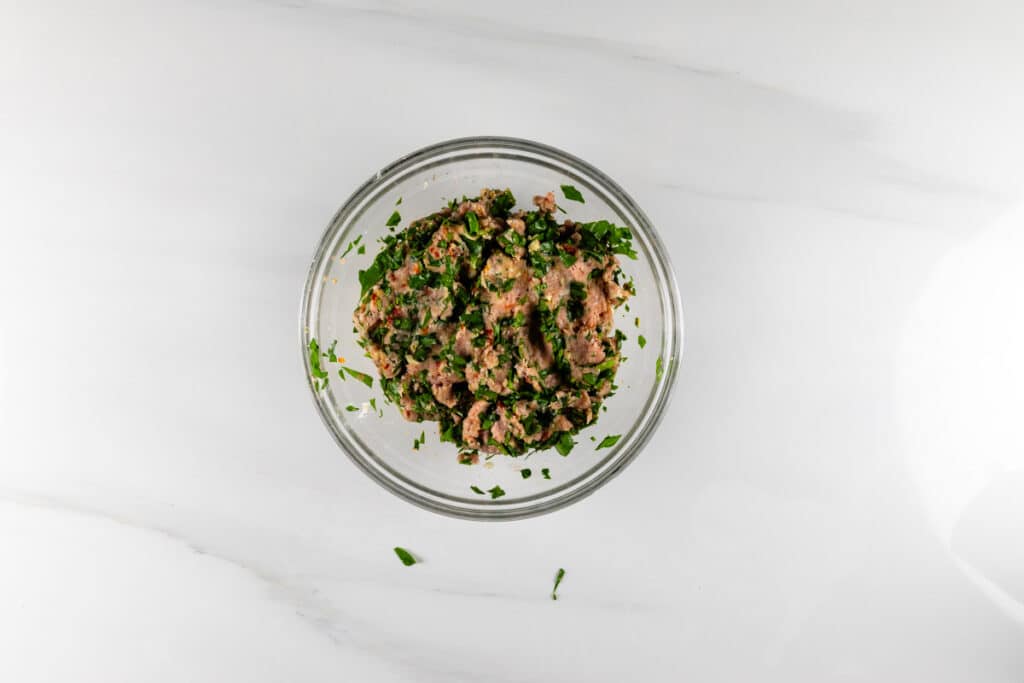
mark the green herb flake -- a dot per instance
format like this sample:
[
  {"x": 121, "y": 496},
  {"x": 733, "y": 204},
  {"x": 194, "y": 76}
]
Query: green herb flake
[
  {"x": 572, "y": 194},
  {"x": 394, "y": 220},
  {"x": 476, "y": 490},
  {"x": 361, "y": 249},
  {"x": 558, "y": 580},
  {"x": 314, "y": 360},
  {"x": 405, "y": 556},
  {"x": 608, "y": 441},
  {"x": 565, "y": 444},
  {"x": 351, "y": 246},
  {"x": 526, "y": 473},
  {"x": 351, "y": 408},
  {"x": 546, "y": 473},
  {"x": 642, "y": 341},
  {"x": 496, "y": 492},
  {"x": 636, "y": 322},
  {"x": 399, "y": 201},
  {"x": 472, "y": 223},
  {"x": 361, "y": 376},
  {"x": 658, "y": 369}
]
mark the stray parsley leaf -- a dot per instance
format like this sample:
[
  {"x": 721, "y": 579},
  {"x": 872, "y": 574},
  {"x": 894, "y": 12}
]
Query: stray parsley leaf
[
  {"x": 526, "y": 473},
  {"x": 361, "y": 249},
  {"x": 572, "y": 194},
  {"x": 642, "y": 341},
  {"x": 405, "y": 556},
  {"x": 351, "y": 245},
  {"x": 394, "y": 220},
  {"x": 546, "y": 473},
  {"x": 476, "y": 489},
  {"x": 496, "y": 492},
  {"x": 558, "y": 580},
  {"x": 608, "y": 441},
  {"x": 565, "y": 444},
  {"x": 314, "y": 360},
  {"x": 351, "y": 408},
  {"x": 361, "y": 376},
  {"x": 399, "y": 201},
  {"x": 658, "y": 369}
]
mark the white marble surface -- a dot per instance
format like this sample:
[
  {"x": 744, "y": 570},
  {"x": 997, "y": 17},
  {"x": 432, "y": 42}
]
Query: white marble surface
[{"x": 838, "y": 494}]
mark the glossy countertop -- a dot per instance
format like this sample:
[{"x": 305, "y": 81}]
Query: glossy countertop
[{"x": 836, "y": 494}]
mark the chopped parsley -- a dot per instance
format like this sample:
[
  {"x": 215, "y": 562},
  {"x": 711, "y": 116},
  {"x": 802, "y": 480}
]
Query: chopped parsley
[
  {"x": 394, "y": 219},
  {"x": 355, "y": 374},
  {"x": 472, "y": 224},
  {"x": 352, "y": 245},
  {"x": 641, "y": 340},
  {"x": 558, "y": 580},
  {"x": 476, "y": 490},
  {"x": 496, "y": 492},
  {"x": 351, "y": 408},
  {"x": 546, "y": 473},
  {"x": 658, "y": 369},
  {"x": 608, "y": 441},
  {"x": 565, "y": 443},
  {"x": 405, "y": 556},
  {"x": 525, "y": 473},
  {"x": 572, "y": 194},
  {"x": 399, "y": 201}
]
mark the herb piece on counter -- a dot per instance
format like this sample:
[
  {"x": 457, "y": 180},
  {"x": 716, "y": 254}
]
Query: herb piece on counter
[
  {"x": 608, "y": 441},
  {"x": 572, "y": 194},
  {"x": 558, "y": 580},
  {"x": 405, "y": 556},
  {"x": 525, "y": 473},
  {"x": 496, "y": 492},
  {"x": 394, "y": 219},
  {"x": 641, "y": 340},
  {"x": 546, "y": 473}
]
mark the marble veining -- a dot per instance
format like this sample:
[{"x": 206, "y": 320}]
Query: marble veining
[{"x": 839, "y": 192}]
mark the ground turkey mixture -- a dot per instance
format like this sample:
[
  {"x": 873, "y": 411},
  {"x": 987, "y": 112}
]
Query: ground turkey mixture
[{"x": 497, "y": 324}]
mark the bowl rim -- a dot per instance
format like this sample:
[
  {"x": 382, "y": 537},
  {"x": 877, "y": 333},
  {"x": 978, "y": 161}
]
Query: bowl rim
[{"x": 600, "y": 474}]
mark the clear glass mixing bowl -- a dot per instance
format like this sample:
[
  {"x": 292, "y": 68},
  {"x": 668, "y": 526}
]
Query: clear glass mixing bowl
[{"x": 382, "y": 446}]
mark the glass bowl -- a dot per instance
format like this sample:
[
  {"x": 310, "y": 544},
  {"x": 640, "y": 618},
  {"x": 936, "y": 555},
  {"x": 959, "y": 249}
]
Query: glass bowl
[{"x": 380, "y": 441}]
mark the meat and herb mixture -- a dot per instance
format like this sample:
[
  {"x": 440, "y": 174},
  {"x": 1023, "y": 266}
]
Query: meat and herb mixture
[{"x": 497, "y": 323}]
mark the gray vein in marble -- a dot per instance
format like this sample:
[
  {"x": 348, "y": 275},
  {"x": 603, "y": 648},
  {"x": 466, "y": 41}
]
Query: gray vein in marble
[{"x": 696, "y": 191}]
